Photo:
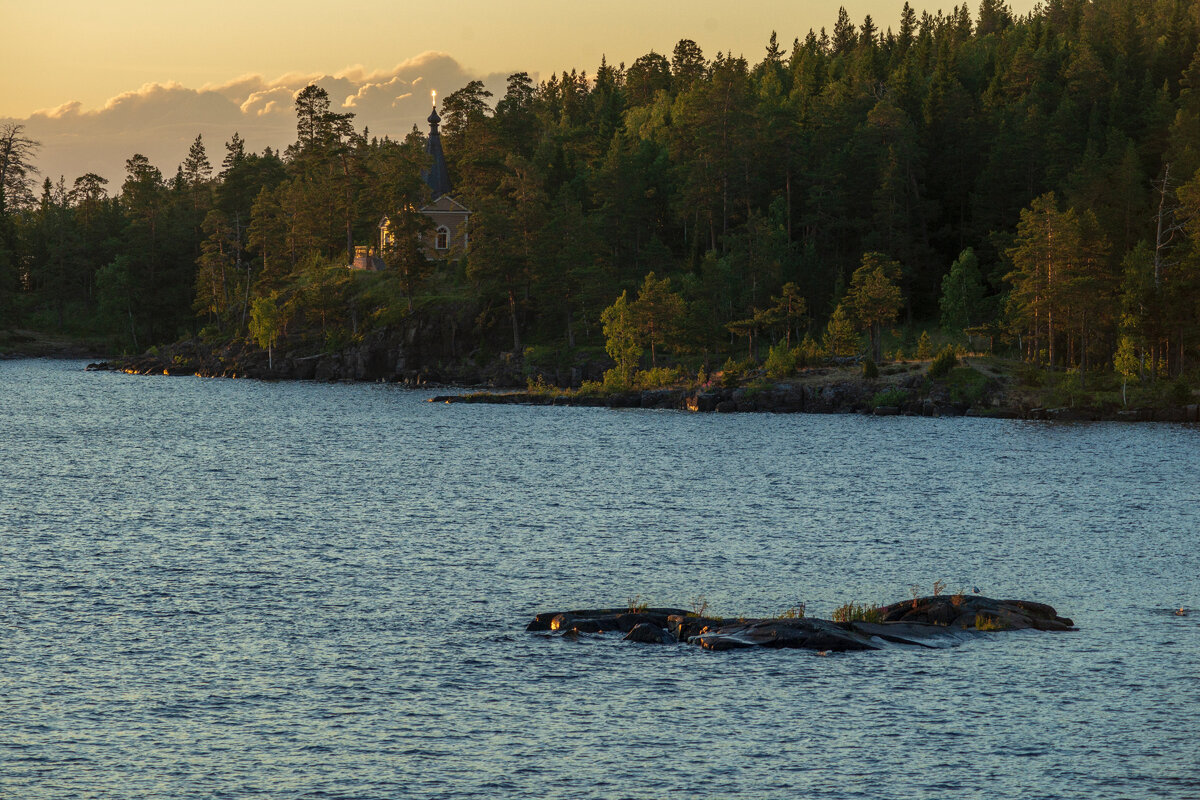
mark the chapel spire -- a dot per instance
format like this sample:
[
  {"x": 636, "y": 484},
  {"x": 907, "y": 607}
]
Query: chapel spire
[{"x": 435, "y": 175}]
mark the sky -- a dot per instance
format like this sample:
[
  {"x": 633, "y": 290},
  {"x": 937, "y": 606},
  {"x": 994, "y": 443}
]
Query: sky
[{"x": 97, "y": 82}]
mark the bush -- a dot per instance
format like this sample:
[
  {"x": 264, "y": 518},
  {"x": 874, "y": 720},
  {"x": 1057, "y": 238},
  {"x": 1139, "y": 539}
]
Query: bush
[
  {"x": 809, "y": 352},
  {"x": 1179, "y": 392},
  {"x": 1069, "y": 390},
  {"x": 539, "y": 387},
  {"x": 889, "y": 397},
  {"x": 870, "y": 371},
  {"x": 658, "y": 377},
  {"x": 989, "y": 622},
  {"x": 924, "y": 347},
  {"x": 967, "y": 385},
  {"x": 781, "y": 361},
  {"x": 616, "y": 380},
  {"x": 946, "y": 360},
  {"x": 735, "y": 371},
  {"x": 1030, "y": 375}
]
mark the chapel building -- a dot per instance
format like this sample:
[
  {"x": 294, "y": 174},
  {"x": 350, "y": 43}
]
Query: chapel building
[{"x": 450, "y": 236}]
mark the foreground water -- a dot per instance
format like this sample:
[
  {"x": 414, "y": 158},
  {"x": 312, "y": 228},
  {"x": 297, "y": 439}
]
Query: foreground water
[{"x": 218, "y": 588}]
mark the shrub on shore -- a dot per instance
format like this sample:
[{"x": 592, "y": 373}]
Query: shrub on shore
[{"x": 946, "y": 360}]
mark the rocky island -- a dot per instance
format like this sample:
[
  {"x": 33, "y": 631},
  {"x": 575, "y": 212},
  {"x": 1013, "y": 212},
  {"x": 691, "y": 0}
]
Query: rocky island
[{"x": 932, "y": 622}]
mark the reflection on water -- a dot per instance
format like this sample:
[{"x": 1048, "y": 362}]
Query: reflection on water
[{"x": 231, "y": 588}]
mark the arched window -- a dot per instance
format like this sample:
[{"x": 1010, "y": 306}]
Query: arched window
[{"x": 443, "y": 238}]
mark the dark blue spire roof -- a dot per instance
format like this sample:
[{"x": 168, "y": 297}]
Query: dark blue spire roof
[{"x": 436, "y": 175}]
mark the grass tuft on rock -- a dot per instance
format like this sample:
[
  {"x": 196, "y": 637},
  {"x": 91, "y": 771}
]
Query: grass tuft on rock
[{"x": 853, "y": 612}]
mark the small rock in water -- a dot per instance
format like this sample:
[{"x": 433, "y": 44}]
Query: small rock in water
[{"x": 647, "y": 633}]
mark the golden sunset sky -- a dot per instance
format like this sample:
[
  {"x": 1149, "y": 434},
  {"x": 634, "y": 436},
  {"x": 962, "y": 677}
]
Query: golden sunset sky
[{"x": 97, "y": 82}]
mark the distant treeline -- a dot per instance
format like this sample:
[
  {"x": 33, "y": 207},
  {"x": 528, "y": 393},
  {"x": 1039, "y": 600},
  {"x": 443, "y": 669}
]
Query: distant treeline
[{"x": 1030, "y": 181}]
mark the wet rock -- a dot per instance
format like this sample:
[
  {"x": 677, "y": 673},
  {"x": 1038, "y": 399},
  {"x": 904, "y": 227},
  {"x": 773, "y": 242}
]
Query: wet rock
[
  {"x": 647, "y": 633},
  {"x": 609, "y": 618},
  {"x": 624, "y": 400},
  {"x": 660, "y": 398},
  {"x": 808, "y": 634},
  {"x": 1071, "y": 414},
  {"x": 887, "y": 411},
  {"x": 912, "y": 634},
  {"x": 566, "y": 624},
  {"x": 685, "y": 626}
]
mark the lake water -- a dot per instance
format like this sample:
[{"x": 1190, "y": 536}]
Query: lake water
[{"x": 215, "y": 588}]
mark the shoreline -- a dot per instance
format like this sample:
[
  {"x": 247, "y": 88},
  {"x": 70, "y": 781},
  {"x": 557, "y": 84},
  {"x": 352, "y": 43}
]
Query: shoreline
[
  {"x": 978, "y": 386},
  {"x": 791, "y": 402}
]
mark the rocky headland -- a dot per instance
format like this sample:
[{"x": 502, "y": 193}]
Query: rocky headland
[
  {"x": 428, "y": 352},
  {"x": 930, "y": 622},
  {"x": 901, "y": 390}
]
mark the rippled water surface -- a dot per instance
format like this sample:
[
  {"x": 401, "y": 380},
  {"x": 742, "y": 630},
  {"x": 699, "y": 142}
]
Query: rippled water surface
[{"x": 216, "y": 588}]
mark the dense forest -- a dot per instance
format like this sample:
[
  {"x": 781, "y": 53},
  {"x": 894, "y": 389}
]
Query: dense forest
[{"x": 1029, "y": 184}]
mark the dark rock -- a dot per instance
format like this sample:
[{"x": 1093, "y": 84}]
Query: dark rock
[
  {"x": 966, "y": 611},
  {"x": 567, "y": 624},
  {"x": 685, "y": 626},
  {"x": 809, "y": 634},
  {"x": 887, "y": 411},
  {"x": 1071, "y": 414},
  {"x": 660, "y": 398},
  {"x": 646, "y": 633},
  {"x": 911, "y": 633},
  {"x": 624, "y": 400},
  {"x": 726, "y": 407},
  {"x": 610, "y": 617}
]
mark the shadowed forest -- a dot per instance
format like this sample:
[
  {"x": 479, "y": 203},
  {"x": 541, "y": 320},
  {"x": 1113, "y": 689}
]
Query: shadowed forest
[{"x": 1027, "y": 185}]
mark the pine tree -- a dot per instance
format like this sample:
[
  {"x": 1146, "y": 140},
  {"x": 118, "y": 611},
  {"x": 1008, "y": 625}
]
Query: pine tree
[
  {"x": 962, "y": 293},
  {"x": 874, "y": 298},
  {"x": 657, "y": 312}
]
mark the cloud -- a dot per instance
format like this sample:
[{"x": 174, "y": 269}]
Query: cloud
[{"x": 160, "y": 120}]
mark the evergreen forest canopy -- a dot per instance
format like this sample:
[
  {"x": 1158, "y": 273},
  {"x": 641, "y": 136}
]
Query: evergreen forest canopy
[{"x": 1030, "y": 182}]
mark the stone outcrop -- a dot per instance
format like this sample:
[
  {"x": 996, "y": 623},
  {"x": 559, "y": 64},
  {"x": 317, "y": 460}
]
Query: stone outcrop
[
  {"x": 601, "y": 619},
  {"x": 972, "y": 612},
  {"x": 927, "y": 622}
]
